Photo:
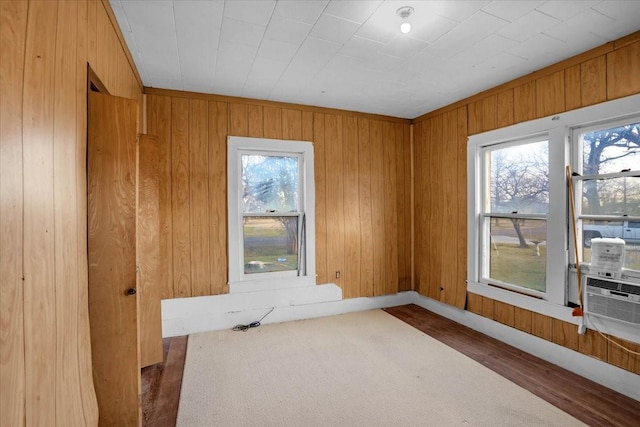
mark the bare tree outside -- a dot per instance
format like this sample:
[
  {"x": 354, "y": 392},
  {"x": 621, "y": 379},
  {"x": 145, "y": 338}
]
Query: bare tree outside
[
  {"x": 520, "y": 182},
  {"x": 270, "y": 185},
  {"x": 610, "y": 151}
]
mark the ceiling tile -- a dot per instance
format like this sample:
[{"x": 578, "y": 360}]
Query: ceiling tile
[
  {"x": 380, "y": 27},
  {"x": 198, "y": 17},
  {"x": 580, "y": 26},
  {"x": 198, "y": 33},
  {"x": 498, "y": 64},
  {"x": 198, "y": 70},
  {"x": 456, "y": 10},
  {"x": 484, "y": 49},
  {"x": 230, "y": 77},
  {"x": 236, "y": 52},
  {"x": 165, "y": 83},
  {"x": 356, "y": 11},
  {"x": 383, "y": 63},
  {"x": 265, "y": 72},
  {"x": 626, "y": 15},
  {"x": 241, "y": 32},
  {"x": 121, "y": 17},
  {"x": 619, "y": 9},
  {"x": 479, "y": 26},
  {"x": 155, "y": 37},
  {"x": 511, "y": 10},
  {"x": 287, "y": 30},
  {"x": 403, "y": 47},
  {"x": 277, "y": 50},
  {"x": 528, "y": 26},
  {"x": 334, "y": 29},
  {"x": 429, "y": 28},
  {"x": 565, "y": 9},
  {"x": 307, "y": 11},
  {"x": 319, "y": 50},
  {"x": 130, "y": 40},
  {"x": 254, "y": 12},
  {"x": 360, "y": 47},
  {"x": 159, "y": 52},
  {"x": 139, "y": 18},
  {"x": 540, "y": 49}
]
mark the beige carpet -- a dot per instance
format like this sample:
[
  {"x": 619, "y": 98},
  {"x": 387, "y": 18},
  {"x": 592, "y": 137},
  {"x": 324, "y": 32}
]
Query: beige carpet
[{"x": 357, "y": 369}]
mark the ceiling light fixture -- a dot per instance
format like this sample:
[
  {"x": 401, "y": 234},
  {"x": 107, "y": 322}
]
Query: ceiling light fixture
[{"x": 404, "y": 13}]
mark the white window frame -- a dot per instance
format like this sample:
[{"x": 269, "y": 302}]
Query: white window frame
[
  {"x": 577, "y": 159},
  {"x": 561, "y": 283},
  {"x": 306, "y": 275},
  {"x": 484, "y": 214}
]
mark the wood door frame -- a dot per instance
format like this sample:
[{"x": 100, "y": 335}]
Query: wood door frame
[{"x": 94, "y": 84}]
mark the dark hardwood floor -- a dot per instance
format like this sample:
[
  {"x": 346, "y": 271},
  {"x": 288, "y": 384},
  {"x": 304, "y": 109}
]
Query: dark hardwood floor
[
  {"x": 161, "y": 385},
  {"x": 587, "y": 401}
]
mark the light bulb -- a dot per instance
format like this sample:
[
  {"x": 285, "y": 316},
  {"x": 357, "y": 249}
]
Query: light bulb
[{"x": 405, "y": 27}]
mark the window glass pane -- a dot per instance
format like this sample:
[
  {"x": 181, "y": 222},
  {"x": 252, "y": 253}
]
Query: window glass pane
[
  {"x": 270, "y": 244},
  {"x": 612, "y": 196},
  {"x": 517, "y": 252},
  {"x": 611, "y": 150},
  {"x": 519, "y": 178},
  {"x": 629, "y": 231},
  {"x": 269, "y": 183}
]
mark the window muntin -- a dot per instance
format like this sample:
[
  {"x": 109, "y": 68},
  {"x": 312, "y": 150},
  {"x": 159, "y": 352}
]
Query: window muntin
[{"x": 515, "y": 207}]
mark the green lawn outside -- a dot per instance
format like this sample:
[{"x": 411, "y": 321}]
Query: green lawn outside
[
  {"x": 266, "y": 247},
  {"x": 519, "y": 266}
]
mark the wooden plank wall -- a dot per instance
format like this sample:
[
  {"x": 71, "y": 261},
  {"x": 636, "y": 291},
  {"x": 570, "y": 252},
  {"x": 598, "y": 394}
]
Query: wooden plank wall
[
  {"x": 148, "y": 250},
  {"x": 605, "y": 73},
  {"x": 45, "y": 359},
  {"x": 362, "y": 177}
]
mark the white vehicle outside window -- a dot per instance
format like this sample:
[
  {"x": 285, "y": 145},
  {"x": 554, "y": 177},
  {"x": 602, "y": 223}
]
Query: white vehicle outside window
[{"x": 607, "y": 157}]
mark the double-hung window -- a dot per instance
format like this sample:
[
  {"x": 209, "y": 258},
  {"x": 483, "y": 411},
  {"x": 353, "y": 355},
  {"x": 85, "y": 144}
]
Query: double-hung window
[
  {"x": 513, "y": 214},
  {"x": 520, "y": 231},
  {"x": 607, "y": 157},
  {"x": 271, "y": 218}
]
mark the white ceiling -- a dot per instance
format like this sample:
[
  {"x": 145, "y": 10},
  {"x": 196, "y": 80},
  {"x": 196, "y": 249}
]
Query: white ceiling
[{"x": 351, "y": 55}]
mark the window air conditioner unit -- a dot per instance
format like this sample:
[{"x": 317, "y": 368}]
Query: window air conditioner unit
[{"x": 613, "y": 299}]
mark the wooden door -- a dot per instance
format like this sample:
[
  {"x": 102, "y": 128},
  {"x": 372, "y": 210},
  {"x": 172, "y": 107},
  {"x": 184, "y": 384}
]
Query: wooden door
[
  {"x": 111, "y": 171},
  {"x": 148, "y": 248}
]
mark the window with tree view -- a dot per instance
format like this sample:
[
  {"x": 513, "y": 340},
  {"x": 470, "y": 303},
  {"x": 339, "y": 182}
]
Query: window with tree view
[
  {"x": 271, "y": 213},
  {"x": 520, "y": 224},
  {"x": 608, "y": 185},
  {"x": 515, "y": 208}
]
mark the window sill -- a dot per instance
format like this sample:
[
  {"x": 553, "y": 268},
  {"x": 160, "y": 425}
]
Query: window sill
[{"x": 270, "y": 284}]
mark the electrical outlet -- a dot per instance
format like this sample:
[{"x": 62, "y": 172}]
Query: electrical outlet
[{"x": 338, "y": 274}]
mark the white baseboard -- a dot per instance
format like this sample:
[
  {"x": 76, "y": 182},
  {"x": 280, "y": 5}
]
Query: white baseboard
[
  {"x": 183, "y": 316},
  {"x": 610, "y": 376}
]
